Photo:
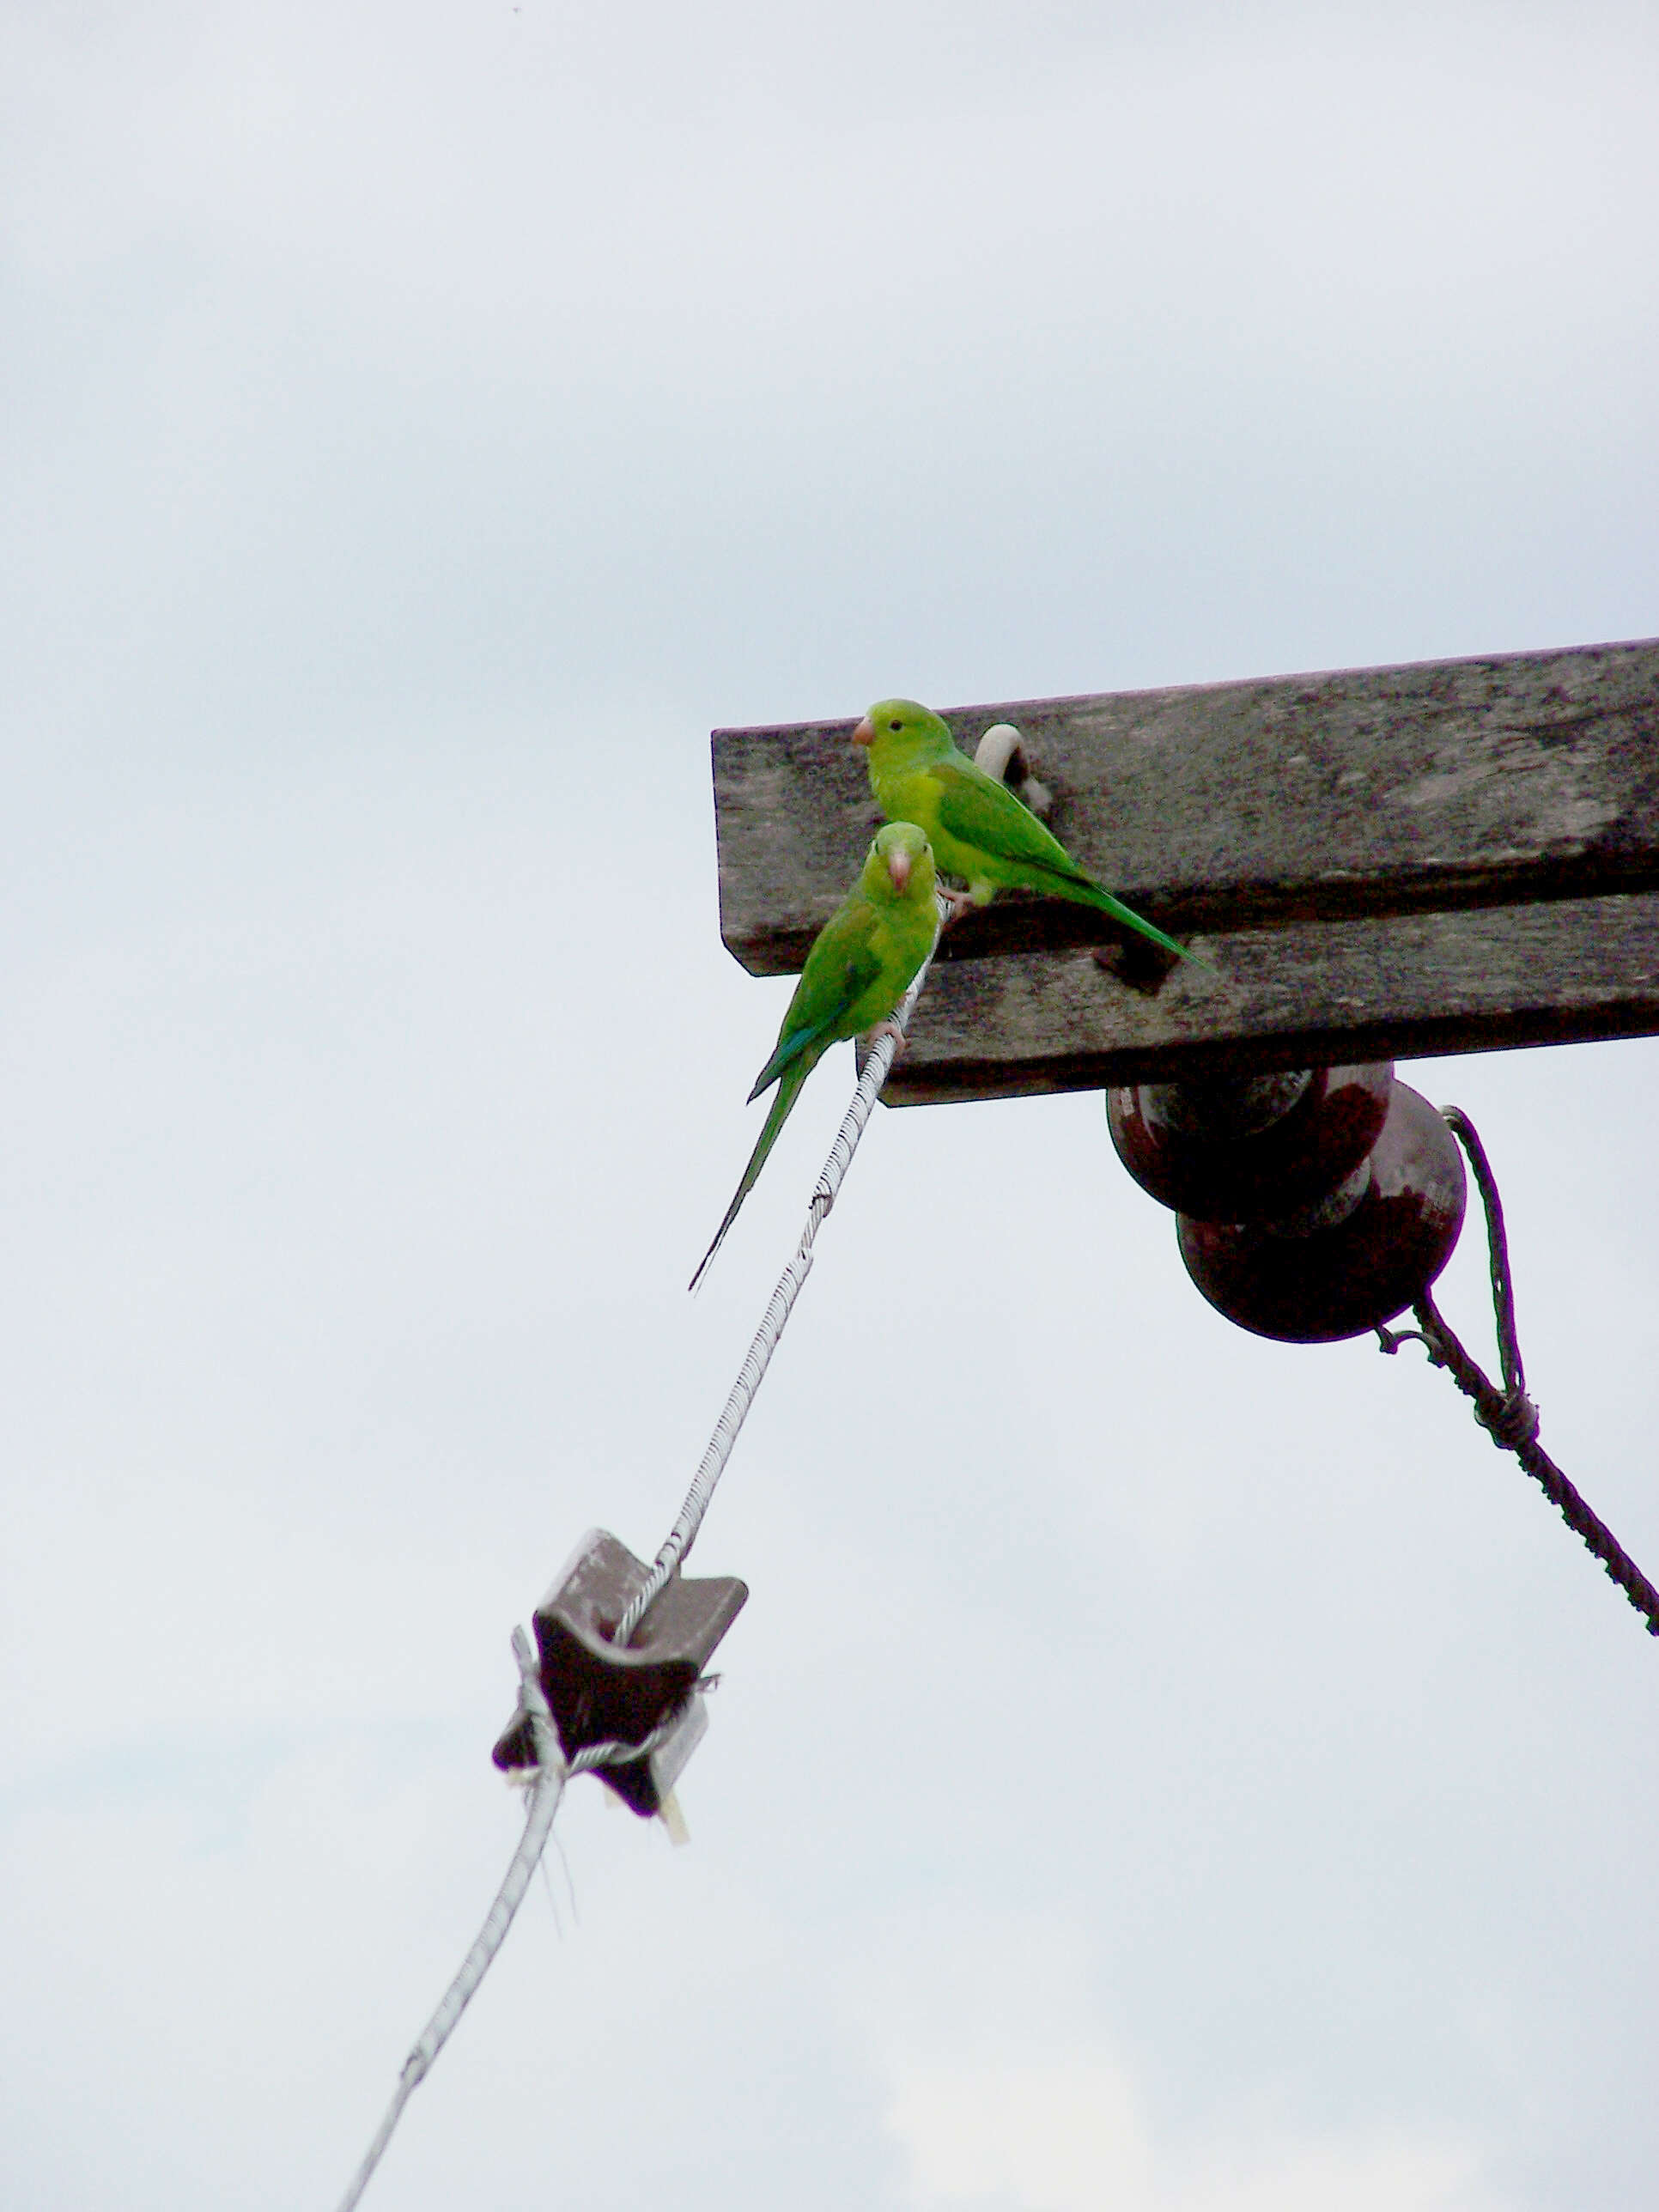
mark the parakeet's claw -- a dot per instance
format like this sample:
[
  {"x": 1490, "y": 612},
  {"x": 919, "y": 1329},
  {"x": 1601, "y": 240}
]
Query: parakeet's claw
[
  {"x": 958, "y": 902},
  {"x": 888, "y": 1029}
]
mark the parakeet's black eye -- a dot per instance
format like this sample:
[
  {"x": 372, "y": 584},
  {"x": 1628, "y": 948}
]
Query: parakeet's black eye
[{"x": 895, "y": 725}]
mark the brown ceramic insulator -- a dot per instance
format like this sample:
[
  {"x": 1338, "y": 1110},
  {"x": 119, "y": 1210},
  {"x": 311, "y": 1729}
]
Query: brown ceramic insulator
[
  {"x": 1357, "y": 1258},
  {"x": 1249, "y": 1148}
]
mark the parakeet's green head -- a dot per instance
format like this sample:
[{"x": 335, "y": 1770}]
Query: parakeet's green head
[
  {"x": 902, "y": 729},
  {"x": 899, "y": 865}
]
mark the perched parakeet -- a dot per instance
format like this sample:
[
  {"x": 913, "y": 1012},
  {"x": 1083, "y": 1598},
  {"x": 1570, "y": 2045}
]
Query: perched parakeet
[
  {"x": 979, "y": 830},
  {"x": 862, "y": 963}
]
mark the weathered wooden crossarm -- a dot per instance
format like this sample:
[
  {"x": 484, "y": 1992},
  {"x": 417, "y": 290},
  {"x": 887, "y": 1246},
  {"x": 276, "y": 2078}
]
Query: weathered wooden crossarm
[{"x": 1441, "y": 857}]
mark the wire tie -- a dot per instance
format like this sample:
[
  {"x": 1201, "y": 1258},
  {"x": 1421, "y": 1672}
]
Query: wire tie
[{"x": 1510, "y": 1424}]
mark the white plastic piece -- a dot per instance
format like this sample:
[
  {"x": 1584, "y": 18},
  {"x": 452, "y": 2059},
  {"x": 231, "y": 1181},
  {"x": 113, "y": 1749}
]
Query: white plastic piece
[
  {"x": 669, "y": 1813},
  {"x": 1001, "y": 748},
  {"x": 997, "y": 747}
]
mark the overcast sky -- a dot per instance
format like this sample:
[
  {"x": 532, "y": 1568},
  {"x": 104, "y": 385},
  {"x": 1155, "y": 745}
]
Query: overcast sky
[{"x": 1156, "y": 1770}]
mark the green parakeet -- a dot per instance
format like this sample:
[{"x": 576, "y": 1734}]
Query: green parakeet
[
  {"x": 978, "y": 830},
  {"x": 862, "y": 963}
]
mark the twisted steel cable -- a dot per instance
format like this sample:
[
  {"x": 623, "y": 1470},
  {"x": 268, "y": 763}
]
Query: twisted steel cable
[
  {"x": 552, "y": 1770},
  {"x": 1509, "y": 1415}
]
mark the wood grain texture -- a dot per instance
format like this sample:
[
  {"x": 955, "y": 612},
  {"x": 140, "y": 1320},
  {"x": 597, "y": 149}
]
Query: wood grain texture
[
  {"x": 1247, "y": 806},
  {"x": 1452, "y": 856},
  {"x": 1306, "y": 994}
]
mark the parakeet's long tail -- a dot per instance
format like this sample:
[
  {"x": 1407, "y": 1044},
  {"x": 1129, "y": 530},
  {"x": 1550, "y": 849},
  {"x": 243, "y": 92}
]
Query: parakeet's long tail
[
  {"x": 1087, "y": 892},
  {"x": 788, "y": 1092}
]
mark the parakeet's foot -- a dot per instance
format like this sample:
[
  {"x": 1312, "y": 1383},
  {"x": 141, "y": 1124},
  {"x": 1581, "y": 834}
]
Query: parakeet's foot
[
  {"x": 888, "y": 1029},
  {"x": 958, "y": 902}
]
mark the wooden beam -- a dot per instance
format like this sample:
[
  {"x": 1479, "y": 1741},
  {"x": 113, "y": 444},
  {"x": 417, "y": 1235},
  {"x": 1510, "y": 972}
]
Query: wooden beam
[
  {"x": 1441, "y": 857},
  {"x": 1306, "y": 995}
]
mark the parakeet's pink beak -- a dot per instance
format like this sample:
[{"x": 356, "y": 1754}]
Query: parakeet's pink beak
[
  {"x": 866, "y": 735},
  {"x": 898, "y": 865}
]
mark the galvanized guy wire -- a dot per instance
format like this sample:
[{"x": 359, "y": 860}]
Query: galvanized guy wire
[
  {"x": 735, "y": 1412},
  {"x": 552, "y": 1770},
  {"x": 1507, "y": 1415}
]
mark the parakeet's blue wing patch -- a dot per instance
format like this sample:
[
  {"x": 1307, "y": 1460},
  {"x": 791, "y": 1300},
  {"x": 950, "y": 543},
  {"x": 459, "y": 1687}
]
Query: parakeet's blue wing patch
[{"x": 822, "y": 1003}]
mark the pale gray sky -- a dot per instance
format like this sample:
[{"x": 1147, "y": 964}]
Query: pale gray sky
[{"x": 1156, "y": 1770}]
